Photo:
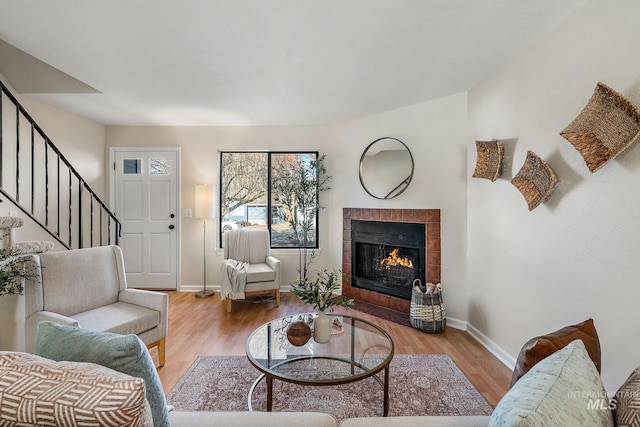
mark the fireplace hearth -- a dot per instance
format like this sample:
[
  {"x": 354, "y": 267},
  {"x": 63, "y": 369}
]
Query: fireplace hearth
[
  {"x": 387, "y": 256},
  {"x": 384, "y": 279}
]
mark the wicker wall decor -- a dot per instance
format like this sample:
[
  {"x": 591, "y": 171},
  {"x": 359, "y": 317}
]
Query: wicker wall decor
[
  {"x": 606, "y": 126},
  {"x": 535, "y": 180},
  {"x": 489, "y": 159}
]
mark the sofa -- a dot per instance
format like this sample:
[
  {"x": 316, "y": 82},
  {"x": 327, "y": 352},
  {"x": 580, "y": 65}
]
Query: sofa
[
  {"x": 88, "y": 288},
  {"x": 564, "y": 389},
  {"x": 39, "y": 391},
  {"x": 88, "y": 367}
]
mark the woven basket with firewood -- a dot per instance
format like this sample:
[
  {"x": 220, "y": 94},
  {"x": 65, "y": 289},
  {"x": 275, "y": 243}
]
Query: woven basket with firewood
[{"x": 427, "y": 308}]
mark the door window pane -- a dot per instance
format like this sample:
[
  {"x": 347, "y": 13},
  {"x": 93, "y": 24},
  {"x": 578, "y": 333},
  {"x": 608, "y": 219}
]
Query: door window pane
[
  {"x": 132, "y": 166},
  {"x": 159, "y": 166}
]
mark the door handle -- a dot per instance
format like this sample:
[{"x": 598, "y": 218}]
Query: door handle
[{"x": 171, "y": 227}]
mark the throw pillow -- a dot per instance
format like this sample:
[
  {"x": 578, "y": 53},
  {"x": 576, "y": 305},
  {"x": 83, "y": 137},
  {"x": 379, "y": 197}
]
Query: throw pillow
[
  {"x": 540, "y": 347},
  {"x": 39, "y": 391},
  {"x": 564, "y": 389},
  {"x": 627, "y": 401},
  {"x": 122, "y": 353}
]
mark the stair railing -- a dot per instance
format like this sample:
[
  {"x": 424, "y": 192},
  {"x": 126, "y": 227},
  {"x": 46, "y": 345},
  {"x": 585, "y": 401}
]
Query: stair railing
[{"x": 41, "y": 182}]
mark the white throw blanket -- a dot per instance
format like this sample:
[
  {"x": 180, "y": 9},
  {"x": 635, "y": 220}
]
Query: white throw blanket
[
  {"x": 234, "y": 279},
  {"x": 234, "y": 270}
]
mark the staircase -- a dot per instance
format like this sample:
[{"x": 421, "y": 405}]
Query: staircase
[{"x": 40, "y": 181}]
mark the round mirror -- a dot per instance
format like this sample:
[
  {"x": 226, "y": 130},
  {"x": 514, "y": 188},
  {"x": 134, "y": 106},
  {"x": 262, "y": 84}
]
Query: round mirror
[{"x": 386, "y": 168}]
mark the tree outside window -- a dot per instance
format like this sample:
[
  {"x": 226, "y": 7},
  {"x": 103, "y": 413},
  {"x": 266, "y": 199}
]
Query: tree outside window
[{"x": 274, "y": 190}]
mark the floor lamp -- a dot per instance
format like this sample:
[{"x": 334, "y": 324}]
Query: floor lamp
[{"x": 204, "y": 210}]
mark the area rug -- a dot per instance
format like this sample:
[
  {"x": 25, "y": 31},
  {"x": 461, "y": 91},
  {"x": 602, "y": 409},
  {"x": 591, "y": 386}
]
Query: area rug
[{"x": 425, "y": 384}]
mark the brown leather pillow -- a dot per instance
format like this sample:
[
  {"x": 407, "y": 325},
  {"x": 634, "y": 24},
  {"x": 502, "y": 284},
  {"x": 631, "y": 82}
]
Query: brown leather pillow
[{"x": 540, "y": 347}]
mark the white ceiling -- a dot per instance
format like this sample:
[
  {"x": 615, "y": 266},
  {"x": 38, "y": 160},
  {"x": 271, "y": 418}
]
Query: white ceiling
[{"x": 262, "y": 62}]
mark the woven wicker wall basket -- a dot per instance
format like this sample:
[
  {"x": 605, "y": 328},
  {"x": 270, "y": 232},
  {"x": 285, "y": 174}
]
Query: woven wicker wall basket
[
  {"x": 535, "y": 180},
  {"x": 606, "y": 126},
  {"x": 489, "y": 160}
]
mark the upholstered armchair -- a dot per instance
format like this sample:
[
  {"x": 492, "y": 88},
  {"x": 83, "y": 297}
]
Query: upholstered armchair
[
  {"x": 248, "y": 268},
  {"x": 87, "y": 288}
]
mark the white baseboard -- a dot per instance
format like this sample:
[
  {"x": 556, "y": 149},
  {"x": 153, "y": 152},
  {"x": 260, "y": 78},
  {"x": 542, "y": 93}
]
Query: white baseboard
[
  {"x": 456, "y": 324},
  {"x": 198, "y": 288},
  {"x": 492, "y": 347}
]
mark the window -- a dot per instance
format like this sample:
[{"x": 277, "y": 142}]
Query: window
[
  {"x": 159, "y": 166},
  {"x": 132, "y": 166},
  {"x": 274, "y": 190}
]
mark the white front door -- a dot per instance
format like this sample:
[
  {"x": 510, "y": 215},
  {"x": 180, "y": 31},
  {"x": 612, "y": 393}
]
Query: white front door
[{"x": 146, "y": 202}]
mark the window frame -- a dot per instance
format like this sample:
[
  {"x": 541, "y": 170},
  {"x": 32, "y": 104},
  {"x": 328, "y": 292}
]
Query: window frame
[{"x": 269, "y": 154}]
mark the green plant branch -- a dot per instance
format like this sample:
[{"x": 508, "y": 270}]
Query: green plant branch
[
  {"x": 320, "y": 292},
  {"x": 13, "y": 270}
]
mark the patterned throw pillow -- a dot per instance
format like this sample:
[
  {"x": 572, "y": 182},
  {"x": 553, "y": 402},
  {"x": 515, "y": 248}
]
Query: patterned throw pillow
[
  {"x": 122, "y": 353},
  {"x": 627, "y": 401},
  {"x": 38, "y": 391}
]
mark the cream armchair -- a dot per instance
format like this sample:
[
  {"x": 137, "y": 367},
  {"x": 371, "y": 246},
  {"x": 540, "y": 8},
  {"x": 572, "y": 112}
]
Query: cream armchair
[
  {"x": 248, "y": 267},
  {"x": 87, "y": 288}
]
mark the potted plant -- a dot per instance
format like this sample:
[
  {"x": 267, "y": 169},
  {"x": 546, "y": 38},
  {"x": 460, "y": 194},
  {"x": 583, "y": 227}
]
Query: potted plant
[
  {"x": 320, "y": 294},
  {"x": 13, "y": 271}
]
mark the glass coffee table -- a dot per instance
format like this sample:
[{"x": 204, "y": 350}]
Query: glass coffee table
[{"x": 358, "y": 349}]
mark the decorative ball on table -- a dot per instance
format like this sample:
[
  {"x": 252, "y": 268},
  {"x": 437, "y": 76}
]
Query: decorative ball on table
[{"x": 299, "y": 333}]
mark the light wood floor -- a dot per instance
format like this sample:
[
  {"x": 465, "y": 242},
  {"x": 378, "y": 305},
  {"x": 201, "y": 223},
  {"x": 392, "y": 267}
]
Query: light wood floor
[{"x": 202, "y": 326}]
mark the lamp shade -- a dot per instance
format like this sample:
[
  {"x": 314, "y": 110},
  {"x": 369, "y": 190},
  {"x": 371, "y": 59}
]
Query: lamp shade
[{"x": 205, "y": 208}]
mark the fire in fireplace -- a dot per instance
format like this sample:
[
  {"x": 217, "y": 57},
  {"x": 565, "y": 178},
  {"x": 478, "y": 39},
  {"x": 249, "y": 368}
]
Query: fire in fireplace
[
  {"x": 395, "y": 261},
  {"x": 387, "y": 256}
]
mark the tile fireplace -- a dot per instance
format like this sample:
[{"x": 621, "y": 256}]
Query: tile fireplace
[{"x": 385, "y": 250}]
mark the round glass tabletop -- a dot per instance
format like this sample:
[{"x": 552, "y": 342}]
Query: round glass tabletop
[{"x": 357, "y": 349}]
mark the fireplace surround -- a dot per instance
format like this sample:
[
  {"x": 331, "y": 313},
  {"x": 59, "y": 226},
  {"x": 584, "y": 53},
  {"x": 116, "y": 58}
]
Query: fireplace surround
[{"x": 429, "y": 219}]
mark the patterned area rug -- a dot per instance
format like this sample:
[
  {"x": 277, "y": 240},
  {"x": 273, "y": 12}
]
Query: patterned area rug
[{"x": 425, "y": 384}]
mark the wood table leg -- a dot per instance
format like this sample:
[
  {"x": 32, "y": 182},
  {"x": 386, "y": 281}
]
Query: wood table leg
[
  {"x": 386, "y": 392},
  {"x": 269, "y": 380}
]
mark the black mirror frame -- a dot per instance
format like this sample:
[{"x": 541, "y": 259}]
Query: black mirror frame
[{"x": 395, "y": 192}]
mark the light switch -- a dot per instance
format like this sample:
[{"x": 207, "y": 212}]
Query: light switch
[{"x": 187, "y": 213}]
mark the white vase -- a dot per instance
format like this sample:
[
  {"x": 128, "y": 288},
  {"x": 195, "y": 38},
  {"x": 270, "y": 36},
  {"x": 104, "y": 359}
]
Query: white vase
[{"x": 322, "y": 328}]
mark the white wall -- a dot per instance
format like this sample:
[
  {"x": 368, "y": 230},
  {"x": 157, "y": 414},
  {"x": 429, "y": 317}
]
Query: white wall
[
  {"x": 82, "y": 141},
  {"x": 200, "y": 148},
  {"x": 512, "y": 273},
  {"x": 436, "y": 134},
  {"x": 576, "y": 255},
  {"x": 434, "y": 131}
]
